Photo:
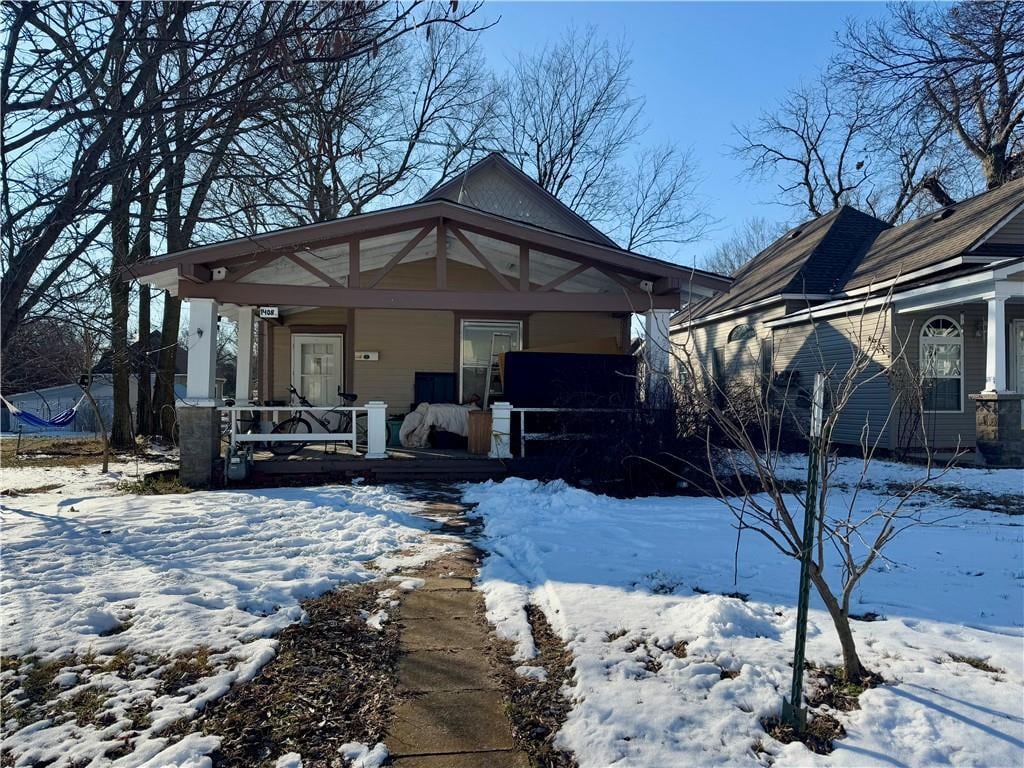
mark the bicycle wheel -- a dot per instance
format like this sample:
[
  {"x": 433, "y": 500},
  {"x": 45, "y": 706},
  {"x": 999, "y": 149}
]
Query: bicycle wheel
[
  {"x": 296, "y": 425},
  {"x": 361, "y": 432}
]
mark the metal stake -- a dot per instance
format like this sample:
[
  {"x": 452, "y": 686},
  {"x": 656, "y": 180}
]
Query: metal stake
[{"x": 793, "y": 711}]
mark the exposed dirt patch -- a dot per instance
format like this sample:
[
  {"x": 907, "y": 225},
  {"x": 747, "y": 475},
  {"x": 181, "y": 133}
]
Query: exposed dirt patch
[
  {"x": 819, "y": 735},
  {"x": 977, "y": 662},
  {"x": 537, "y": 708},
  {"x": 332, "y": 682},
  {"x": 831, "y": 689}
]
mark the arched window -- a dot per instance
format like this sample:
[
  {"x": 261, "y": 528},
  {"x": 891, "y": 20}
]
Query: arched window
[
  {"x": 741, "y": 333},
  {"x": 942, "y": 365}
]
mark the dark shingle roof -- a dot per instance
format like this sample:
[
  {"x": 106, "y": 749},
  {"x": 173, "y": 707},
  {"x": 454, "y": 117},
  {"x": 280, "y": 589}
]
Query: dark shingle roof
[
  {"x": 809, "y": 259},
  {"x": 926, "y": 241}
]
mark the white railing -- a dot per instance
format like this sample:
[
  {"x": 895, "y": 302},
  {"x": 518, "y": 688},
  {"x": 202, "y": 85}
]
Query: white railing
[
  {"x": 376, "y": 426},
  {"x": 501, "y": 427}
]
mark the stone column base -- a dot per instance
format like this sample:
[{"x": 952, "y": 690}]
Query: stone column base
[
  {"x": 198, "y": 444},
  {"x": 1000, "y": 439}
]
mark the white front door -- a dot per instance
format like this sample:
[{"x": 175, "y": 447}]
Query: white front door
[
  {"x": 1017, "y": 359},
  {"x": 317, "y": 366}
]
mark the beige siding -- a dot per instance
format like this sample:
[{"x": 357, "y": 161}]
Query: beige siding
[
  {"x": 407, "y": 341},
  {"x": 832, "y": 345},
  {"x": 556, "y": 329}
]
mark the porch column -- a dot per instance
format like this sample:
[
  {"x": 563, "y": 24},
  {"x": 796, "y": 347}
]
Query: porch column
[
  {"x": 995, "y": 340},
  {"x": 200, "y": 387},
  {"x": 501, "y": 431},
  {"x": 243, "y": 367},
  {"x": 656, "y": 349},
  {"x": 376, "y": 430},
  {"x": 198, "y": 418}
]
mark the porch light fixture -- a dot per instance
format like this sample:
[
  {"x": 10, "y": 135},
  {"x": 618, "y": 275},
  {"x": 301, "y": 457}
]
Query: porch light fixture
[{"x": 981, "y": 329}]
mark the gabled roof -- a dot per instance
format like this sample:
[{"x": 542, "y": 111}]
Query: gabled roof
[
  {"x": 810, "y": 259},
  {"x": 847, "y": 251},
  {"x": 936, "y": 237},
  {"x": 497, "y": 186}
]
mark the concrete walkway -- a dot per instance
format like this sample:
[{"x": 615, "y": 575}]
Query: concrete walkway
[{"x": 451, "y": 713}]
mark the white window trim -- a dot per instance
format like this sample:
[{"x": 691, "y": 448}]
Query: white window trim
[
  {"x": 929, "y": 341},
  {"x": 462, "y": 330}
]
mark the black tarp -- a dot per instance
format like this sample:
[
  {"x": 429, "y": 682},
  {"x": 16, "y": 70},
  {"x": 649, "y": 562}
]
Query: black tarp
[{"x": 567, "y": 380}]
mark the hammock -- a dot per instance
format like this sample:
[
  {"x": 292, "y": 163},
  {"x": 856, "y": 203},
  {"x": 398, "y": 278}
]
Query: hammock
[{"x": 62, "y": 419}]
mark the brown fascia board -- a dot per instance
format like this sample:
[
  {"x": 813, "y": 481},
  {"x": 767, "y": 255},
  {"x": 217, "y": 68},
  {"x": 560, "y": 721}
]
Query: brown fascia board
[
  {"x": 382, "y": 298},
  {"x": 418, "y": 214}
]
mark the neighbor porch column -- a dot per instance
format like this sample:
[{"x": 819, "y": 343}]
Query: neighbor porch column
[
  {"x": 995, "y": 340},
  {"x": 243, "y": 366},
  {"x": 656, "y": 354},
  {"x": 198, "y": 419}
]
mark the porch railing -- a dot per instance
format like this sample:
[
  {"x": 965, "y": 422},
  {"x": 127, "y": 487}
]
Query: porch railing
[
  {"x": 376, "y": 426},
  {"x": 501, "y": 426}
]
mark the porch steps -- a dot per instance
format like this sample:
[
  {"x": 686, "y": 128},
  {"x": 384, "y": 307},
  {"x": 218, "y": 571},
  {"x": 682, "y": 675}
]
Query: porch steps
[{"x": 389, "y": 471}]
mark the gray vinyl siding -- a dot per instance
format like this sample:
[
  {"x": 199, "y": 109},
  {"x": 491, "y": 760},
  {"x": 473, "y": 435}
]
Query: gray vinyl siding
[
  {"x": 731, "y": 358},
  {"x": 831, "y": 345},
  {"x": 947, "y": 430},
  {"x": 1011, "y": 232}
]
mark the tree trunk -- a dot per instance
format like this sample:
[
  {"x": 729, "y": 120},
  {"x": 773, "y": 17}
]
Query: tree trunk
[
  {"x": 121, "y": 428},
  {"x": 144, "y": 404},
  {"x": 852, "y": 668},
  {"x": 164, "y": 416}
]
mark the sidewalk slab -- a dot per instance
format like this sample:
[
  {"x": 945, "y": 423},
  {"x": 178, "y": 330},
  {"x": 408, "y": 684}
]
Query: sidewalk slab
[
  {"x": 465, "y": 760},
  {"x": 443, "y": 722},
  {"x": 440, "y": 603},
  {"x": 422, "y": 671},
  {"x": 451, "y": 633}
]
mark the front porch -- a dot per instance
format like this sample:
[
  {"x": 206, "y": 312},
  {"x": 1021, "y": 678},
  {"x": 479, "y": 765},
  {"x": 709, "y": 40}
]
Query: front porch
[
  {"x": 375, "y": 305},
  {"x": 967, "y": 335}
]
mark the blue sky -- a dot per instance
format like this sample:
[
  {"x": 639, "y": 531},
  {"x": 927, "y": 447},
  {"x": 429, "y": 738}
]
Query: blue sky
[{"x": 701, "y": 67}]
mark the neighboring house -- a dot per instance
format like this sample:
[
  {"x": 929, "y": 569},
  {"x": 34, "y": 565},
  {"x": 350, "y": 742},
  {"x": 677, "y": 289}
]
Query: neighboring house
[
  {"x": 945, "y": 291},
  {"x": 368, "y": 302},
  {"x": 47, "y": 402}
]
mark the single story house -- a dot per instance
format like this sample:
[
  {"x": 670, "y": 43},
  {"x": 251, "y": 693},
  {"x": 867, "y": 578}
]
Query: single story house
[
  {"x": 486, "y": 263},
  {"x": 943, "y": 294}
]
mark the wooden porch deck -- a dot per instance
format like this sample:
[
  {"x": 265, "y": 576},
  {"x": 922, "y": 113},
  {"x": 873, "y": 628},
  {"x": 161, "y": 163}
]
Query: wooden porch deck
[{"x": 402, "y": 465}]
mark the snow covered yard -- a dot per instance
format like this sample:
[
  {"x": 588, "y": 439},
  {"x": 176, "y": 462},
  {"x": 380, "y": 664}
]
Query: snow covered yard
[
  {"x": 669, "y": 671},
  {"x": 136, "y": 611}
]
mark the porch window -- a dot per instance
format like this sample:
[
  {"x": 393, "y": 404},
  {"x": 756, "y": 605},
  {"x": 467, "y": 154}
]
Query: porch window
[
  {"x": 942, "y": 365},
  {"x": 482, "y": 343}
]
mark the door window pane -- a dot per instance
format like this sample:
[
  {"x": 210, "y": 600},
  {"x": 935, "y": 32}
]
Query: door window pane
[{"x": 481, "y": 374}]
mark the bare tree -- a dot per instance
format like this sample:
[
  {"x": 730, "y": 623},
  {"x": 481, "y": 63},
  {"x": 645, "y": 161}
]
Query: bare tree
[
  {"x": 569, "y": 120},
  {"x": 750, "y": 414},
  {"x": 748, "y": 240},
  {"x": 357, "y": 132},
  {"x": 829, "y": 146},
  {"x": 959, "y": 65}
]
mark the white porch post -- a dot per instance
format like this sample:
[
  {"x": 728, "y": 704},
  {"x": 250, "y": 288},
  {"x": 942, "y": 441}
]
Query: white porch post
[
  {"x": 243, "y": 367},
  {"x": 995, "y": 340},
  {"x": 501, "y": 431},
  {"x": 200, "y": 387},
  {"x": 376, "y": 430},
  {"x": 656, "y": 349}
]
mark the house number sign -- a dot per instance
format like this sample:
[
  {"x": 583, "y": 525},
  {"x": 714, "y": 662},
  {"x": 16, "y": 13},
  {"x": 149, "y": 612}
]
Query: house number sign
[{"x": 268, "y": 313}]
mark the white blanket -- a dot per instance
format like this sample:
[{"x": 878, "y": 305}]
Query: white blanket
[{"x": 450, "y": 418}]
